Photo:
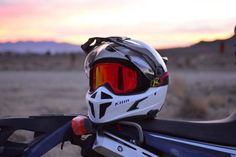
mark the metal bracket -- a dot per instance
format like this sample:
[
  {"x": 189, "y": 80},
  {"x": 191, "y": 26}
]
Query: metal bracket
[{"x": 110, "y": 145}]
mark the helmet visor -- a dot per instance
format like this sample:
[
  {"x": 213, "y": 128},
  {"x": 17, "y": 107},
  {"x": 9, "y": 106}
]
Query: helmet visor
[
  {"x": 121, "y": 79},
  {"x": 143, "y": 60}
]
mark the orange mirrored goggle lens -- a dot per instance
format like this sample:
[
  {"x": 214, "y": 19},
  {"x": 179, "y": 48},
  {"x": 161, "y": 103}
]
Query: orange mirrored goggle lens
[{"x": 120, "y": 78}]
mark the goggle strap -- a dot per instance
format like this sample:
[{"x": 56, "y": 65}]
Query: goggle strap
[
  {"x": 90, "y": 45},
  {"x": 160, "y": 81}
]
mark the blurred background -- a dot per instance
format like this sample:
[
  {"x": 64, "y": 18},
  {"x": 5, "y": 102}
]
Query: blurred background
[{"x": 41, "y": 62}]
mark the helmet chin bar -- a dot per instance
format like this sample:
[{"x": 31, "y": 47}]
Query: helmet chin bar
[{"x": 117, "y": 107}]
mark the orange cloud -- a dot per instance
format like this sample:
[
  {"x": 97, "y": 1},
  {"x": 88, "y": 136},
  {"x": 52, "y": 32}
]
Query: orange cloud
[{"x": 159, "y": 23}]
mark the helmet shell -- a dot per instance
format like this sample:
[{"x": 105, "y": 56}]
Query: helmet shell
[{"x": 105, "y": 106}]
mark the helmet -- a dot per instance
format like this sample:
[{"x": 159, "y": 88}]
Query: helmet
[{"x": 127, "y": 78}]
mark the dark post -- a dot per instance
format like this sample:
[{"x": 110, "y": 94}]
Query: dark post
[
  {"x": 235, "y": 30},
  {"x": 235, "y": 44},
  {"x": 222, "y": 47}
]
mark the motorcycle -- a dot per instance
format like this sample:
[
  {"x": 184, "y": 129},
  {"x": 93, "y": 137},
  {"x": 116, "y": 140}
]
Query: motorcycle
[{"x": 135, "y": 137}]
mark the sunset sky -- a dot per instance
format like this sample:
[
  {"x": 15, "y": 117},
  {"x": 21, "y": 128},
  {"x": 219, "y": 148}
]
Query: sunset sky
[{"x": 161, "y": 23}]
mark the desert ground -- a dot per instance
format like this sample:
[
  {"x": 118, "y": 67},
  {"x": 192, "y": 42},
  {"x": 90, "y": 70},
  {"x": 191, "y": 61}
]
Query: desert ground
[
  {"x": 34, "y": 85},
  {"x": 25, "y": 93},
  {"x": 192, "y": 95}
]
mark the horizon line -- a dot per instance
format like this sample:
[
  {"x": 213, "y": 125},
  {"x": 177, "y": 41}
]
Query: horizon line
[{"x": 79, "y": 44}]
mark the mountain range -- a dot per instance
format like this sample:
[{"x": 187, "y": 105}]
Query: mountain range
[
  {"x": 218, "y": 54},
  {"x": 42, "y": 47},
  {"x": 39, "y": 47}
]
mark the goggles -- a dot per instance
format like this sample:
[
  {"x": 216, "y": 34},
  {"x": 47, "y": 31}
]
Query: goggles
[
  {"x": 119, "y": 78},
  {"x": 141, "y": 55}
]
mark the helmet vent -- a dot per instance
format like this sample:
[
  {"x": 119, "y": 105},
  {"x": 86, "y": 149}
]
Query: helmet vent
[
  {"x": 103, "y": 108},
  {"x": 94, "y": 95},
  {"x": 92, "y": 109},
  {"x": 110, "y": 48},
  {"x": 135, "y": 105},
  {"x": 105, "y": 96}
]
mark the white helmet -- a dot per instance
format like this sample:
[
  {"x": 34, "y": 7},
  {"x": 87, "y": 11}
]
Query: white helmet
[{"x": 127, "y": 78}]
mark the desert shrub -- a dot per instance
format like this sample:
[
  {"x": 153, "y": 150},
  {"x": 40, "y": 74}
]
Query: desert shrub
[
  {"x": 175, "y": 98},
  {"x": 194, "y": 107},
  {"x": 217, "y": 101}
]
